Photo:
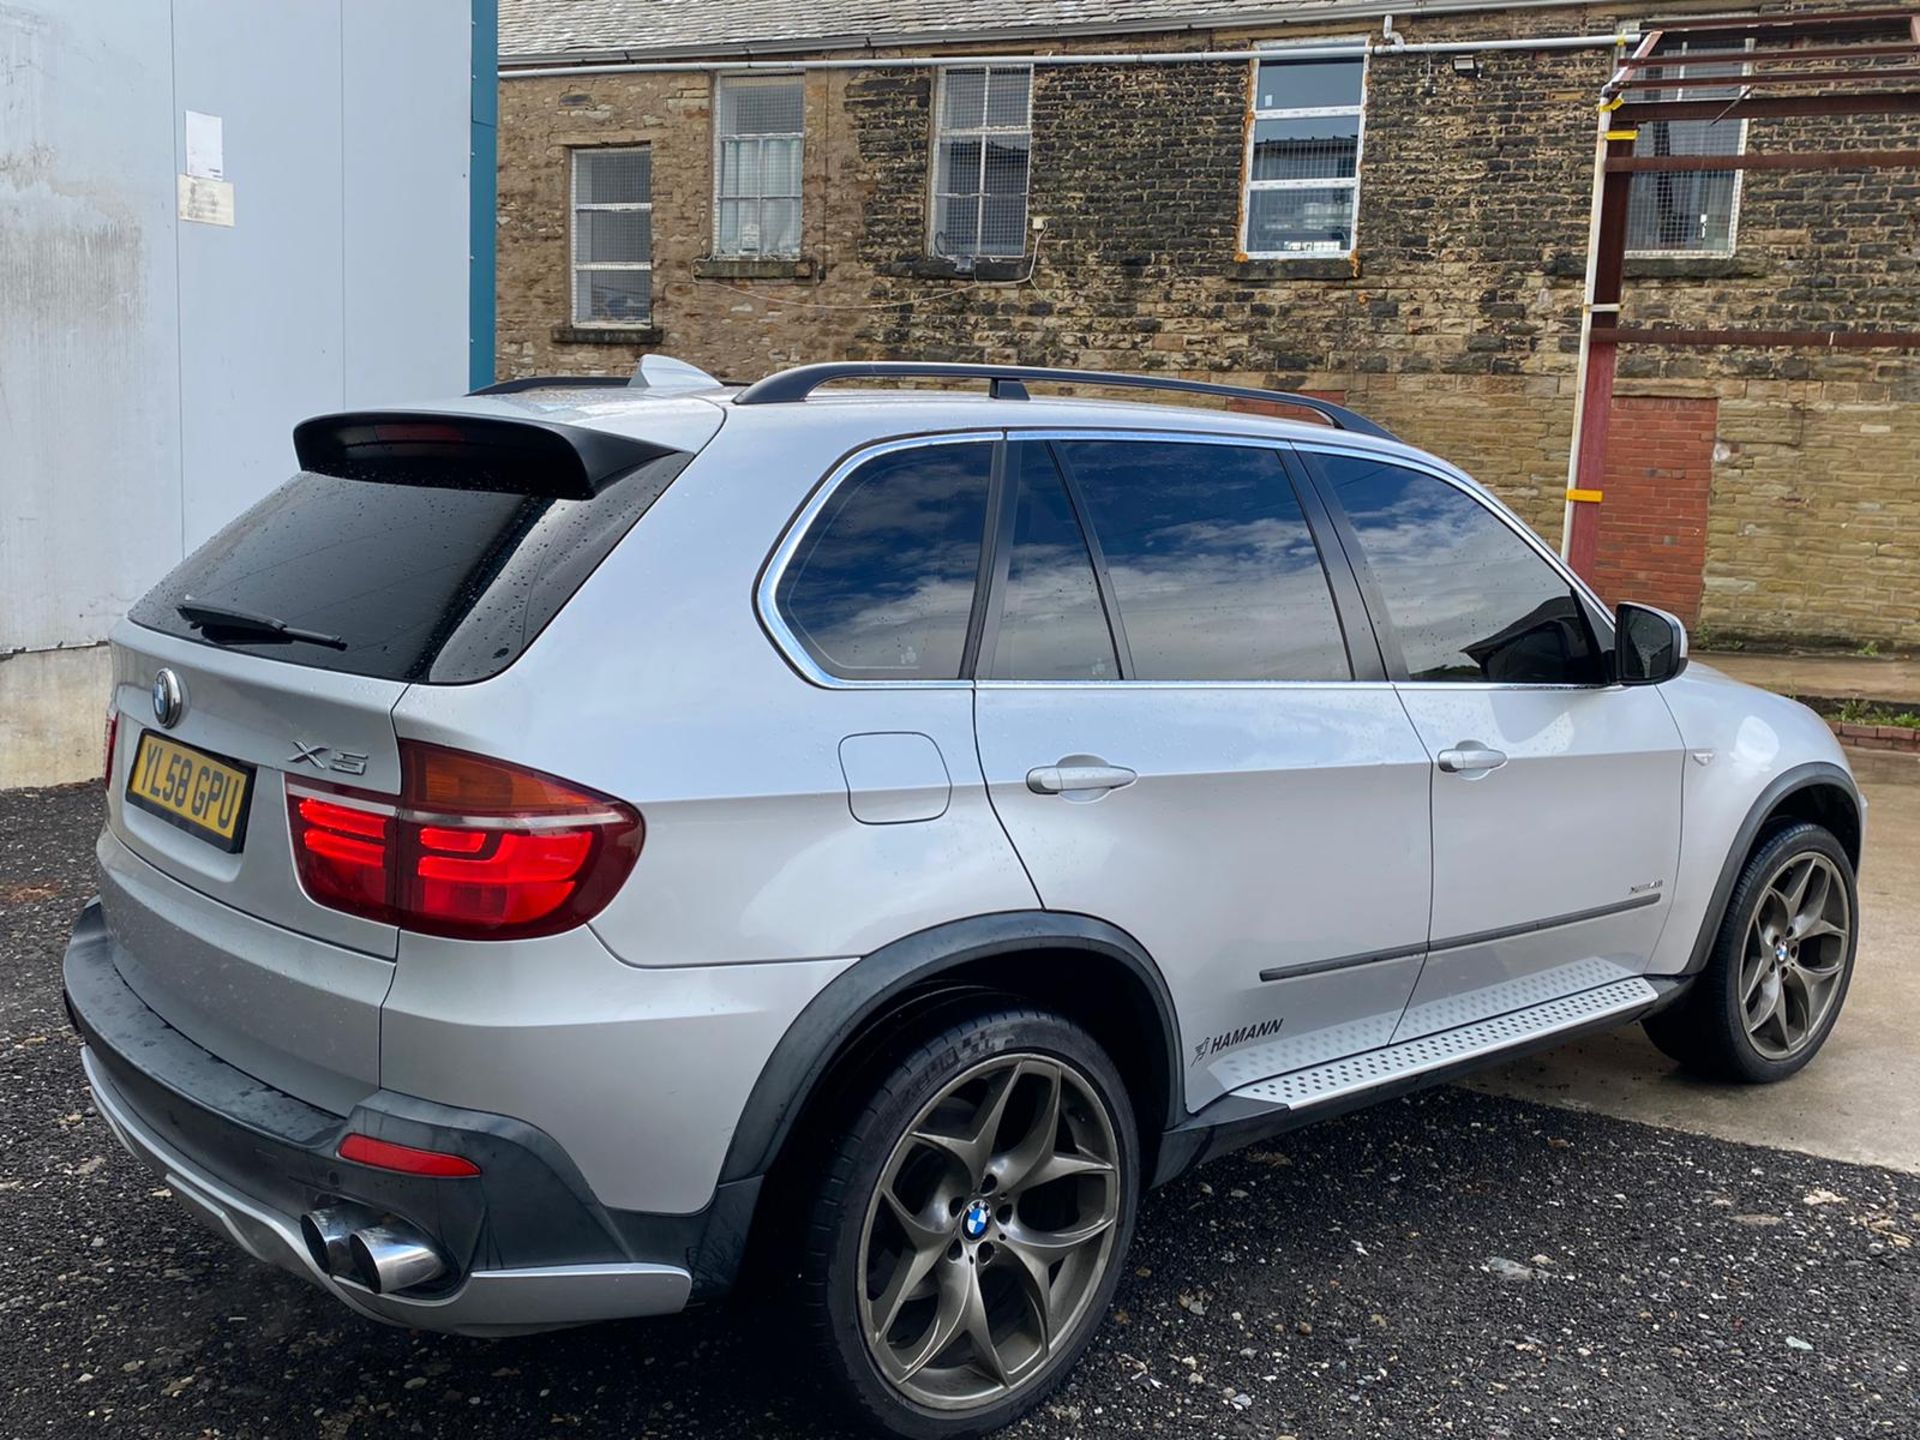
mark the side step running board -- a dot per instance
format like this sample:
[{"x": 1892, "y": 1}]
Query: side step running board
[
  {"x": 1322, "y": 1084},
  {"x": 1282, "y": 1102}
]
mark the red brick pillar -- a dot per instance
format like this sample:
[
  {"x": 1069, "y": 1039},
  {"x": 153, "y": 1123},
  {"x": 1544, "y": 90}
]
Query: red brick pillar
[{"x": 1651, "y": 543}]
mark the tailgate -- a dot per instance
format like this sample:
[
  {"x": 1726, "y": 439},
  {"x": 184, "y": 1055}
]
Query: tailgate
[
  {"x": 412, "y": 548},
  {"x": 223, "y": 943}
]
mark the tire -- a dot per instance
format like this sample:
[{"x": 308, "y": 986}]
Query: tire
[
  {"x": 1764, "y": 958},
  {"x": 966, "y": 1230}
]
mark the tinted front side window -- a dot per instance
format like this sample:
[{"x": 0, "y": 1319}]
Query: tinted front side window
[
  {"x": 422, "y": 582},
  {"x": 1052, "y": 624},
  {"x": 881, "y": 586},
  {"x": 1468, "y": 598},
  {"x": 1213, "y": 566}
]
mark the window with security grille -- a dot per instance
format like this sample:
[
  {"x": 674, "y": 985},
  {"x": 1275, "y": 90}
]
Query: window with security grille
[
  {"x": 983, "y": 133},
  {"x": 758, "y": 126},
  {"x": 1686, "y": 212},
  {"x": 1303, "y": 156},
  {"x": 613, "y": 236}
]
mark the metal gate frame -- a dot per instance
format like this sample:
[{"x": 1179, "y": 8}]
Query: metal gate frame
[{"x": 1847, "y": 50}]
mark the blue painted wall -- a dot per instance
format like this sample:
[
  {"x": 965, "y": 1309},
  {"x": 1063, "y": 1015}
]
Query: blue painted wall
[{"x": 481, "y": 187}]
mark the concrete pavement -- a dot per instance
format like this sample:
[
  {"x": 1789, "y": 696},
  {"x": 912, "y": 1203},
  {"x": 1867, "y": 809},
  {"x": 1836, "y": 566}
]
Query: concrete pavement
[
  {"x": 1832, "y": 677},
  {"x": 1453, "y": 1264},
  {"x": 1855, "y": 1101}
]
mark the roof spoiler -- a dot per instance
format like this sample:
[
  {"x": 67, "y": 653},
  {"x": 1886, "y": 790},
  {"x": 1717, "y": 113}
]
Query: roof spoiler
[{"x": 468, "y": 452}]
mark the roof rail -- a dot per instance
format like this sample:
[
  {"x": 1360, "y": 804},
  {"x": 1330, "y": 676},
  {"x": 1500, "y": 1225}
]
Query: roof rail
[
  {"x": 1004, "y": 382},
  {"x": 543, "y": 382}
]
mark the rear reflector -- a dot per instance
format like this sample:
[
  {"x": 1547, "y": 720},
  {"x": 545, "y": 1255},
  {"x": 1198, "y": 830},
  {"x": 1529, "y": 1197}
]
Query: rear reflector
[
  {"x": 113, "y": 734},
  {"x": 473, "y": 848},
  {"x": 385, "y": 1155}
]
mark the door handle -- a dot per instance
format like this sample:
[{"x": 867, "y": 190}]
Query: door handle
[
  {"x": 1071, "y": 779},
  {"x": 1469, "y": 756}
]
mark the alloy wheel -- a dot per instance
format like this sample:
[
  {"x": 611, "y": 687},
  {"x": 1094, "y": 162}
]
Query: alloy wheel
[
  {"x": 1795, "y": 956},
  {"x": 991, "y": 1227}
]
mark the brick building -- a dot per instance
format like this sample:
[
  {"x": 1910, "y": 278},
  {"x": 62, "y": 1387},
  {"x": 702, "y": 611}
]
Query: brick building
[{"x": 1403, "y": 228}]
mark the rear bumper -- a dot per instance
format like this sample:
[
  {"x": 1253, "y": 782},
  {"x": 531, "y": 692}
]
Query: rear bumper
[{"x": 528, "y": 1247}]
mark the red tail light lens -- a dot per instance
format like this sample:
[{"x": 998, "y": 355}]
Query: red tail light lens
[
  {"x": 385, "y": 1155},
  {"x": 472, "y": 848}
]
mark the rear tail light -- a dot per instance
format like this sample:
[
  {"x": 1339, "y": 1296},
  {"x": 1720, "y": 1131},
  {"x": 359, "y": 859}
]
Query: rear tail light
[{"x": 472, "y": 848}]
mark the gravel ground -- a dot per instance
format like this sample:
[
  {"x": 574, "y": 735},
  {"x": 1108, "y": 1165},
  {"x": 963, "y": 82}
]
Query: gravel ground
[{"x": 1453, "y": 1264}]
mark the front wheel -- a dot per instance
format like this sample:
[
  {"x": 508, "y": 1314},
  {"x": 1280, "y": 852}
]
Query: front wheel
[
  {"x": 1780, "y": 966},
  {"x": 969, "y": 1230}
]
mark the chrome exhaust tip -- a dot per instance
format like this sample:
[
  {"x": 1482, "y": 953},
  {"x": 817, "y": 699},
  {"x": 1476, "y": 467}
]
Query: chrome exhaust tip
[
  {"x": 327, "y": 1231},
  {"x": 393, "y": 1256}
]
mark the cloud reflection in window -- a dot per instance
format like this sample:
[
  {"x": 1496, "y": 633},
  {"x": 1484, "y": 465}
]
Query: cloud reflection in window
[{"x": 1215, "y": 571}]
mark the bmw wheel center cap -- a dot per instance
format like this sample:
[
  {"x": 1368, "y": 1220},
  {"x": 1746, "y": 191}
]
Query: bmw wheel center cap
[{"x": 975, "y": 1219}]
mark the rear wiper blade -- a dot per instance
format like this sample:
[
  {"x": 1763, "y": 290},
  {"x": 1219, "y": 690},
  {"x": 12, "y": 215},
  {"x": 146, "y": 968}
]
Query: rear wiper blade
[{"x": 208, "y": 618}]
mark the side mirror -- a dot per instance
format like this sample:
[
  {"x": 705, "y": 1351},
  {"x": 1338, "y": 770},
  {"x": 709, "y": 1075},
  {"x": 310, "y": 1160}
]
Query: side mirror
[{"x": 1649, "y": 645}]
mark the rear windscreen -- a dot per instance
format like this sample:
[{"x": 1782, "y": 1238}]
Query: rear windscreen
[{"x": 431, "y": 583}]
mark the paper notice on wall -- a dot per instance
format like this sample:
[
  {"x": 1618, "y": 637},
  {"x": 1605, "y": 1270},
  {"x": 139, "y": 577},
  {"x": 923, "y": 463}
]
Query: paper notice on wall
[
  {"x": 206, "y": 146},
  {"x": 206, "y": 202}
]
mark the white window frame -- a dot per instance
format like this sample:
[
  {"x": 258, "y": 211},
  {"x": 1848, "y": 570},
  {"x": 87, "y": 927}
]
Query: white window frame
[
  {"x": 982, "y": 132},
  {"x": 575, "y": 265},
  {"x": 719, "y": 170},
  {"x": 1248, "y": 185},
  {"x": 1739, "y": 184}
]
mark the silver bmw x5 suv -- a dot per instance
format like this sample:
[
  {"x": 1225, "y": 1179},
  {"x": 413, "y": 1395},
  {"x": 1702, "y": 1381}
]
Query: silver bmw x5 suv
[{"x": 567, "y": 840}]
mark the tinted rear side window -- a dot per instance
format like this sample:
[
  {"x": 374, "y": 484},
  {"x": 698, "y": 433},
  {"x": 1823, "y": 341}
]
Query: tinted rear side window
[
  {"x": 1215, "y": 572},
  {"x": 1052, "y": 624},
  {"x": 881, "y": 585},
  {"x": 1468, "y": 598},
  {"x": 419, "y": 582}
]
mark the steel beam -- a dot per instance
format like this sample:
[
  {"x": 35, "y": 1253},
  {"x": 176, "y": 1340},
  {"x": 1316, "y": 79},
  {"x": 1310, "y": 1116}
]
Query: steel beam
[
  {"x": 1772, "y": 57},
  {"x": 1772, "y": 107},
  {"x": 1749, "y": 82},
  {"x": 1812, "y": 25},
  {"x": 1776, "y": 160},
  {"x": 1814, "y": 339}
]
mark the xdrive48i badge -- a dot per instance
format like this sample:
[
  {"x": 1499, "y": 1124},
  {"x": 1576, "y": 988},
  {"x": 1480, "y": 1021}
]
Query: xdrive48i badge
[{"x": 1227, "y": 1039}]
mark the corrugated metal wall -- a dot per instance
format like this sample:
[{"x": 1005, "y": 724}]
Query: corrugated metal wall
[{"x": 151, "y": 368}]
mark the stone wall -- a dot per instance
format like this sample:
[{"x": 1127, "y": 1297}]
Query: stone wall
[{"x": 1455, "y": 323}]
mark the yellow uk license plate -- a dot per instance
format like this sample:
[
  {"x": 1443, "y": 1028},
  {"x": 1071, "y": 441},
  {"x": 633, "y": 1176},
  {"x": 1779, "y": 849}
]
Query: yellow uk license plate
[{"x": 189, "y": 788}]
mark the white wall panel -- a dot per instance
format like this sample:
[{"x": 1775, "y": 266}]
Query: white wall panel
[
  {"x": 151, "y": 369},
  {"x": 89, "y": 396},
  {"x": 406, "y": 200}
]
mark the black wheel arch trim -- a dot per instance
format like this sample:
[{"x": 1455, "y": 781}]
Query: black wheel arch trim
[
  {"x": 863, "y": 990},
  {"x": 1788, "y": 782}
]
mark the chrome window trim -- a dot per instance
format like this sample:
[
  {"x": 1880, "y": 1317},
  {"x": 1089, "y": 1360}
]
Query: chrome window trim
[
  {"x": 785, "y": 640},
  {"x": 797, "y": 655},
  {"x": 1183, "y": 684}
]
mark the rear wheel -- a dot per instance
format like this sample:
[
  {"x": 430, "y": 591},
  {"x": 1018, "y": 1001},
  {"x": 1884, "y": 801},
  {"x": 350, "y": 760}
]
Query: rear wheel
[
  {"x": 1779, "y": 970},
  {"x": 969, "y": 1230}
]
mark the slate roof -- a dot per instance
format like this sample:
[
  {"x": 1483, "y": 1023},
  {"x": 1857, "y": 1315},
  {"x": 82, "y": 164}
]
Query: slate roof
[{"x": 700, "y": 29}]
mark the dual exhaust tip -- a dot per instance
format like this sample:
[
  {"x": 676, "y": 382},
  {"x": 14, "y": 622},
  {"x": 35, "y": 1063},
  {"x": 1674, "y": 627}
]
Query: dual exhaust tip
[{"x": 350, "y": 1242}]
